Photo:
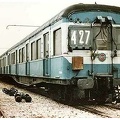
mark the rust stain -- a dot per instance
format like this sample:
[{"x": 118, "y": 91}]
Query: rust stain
[{"x": 77, "y": 63}]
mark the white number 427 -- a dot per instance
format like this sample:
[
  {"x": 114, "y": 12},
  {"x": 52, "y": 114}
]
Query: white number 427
[{"x": 83, "y": 36}]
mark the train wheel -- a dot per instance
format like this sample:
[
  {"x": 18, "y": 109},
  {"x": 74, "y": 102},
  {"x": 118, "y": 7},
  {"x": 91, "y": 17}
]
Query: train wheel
[
  {"x": 28, "y": 98},
  {"x": 13, "y": 91},
  {"x": 18, "y": 98},
  {"x": 5, "y": 90}
]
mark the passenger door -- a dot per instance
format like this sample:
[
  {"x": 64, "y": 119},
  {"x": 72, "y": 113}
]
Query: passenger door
[
  {"x": 27, "y": 60},
  {"x": 46, "y": 60},
  {"x": 16, "y": 61}
]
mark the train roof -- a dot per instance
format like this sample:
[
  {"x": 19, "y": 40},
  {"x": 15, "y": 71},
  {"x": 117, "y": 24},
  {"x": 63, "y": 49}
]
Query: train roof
[
  {"x": 90, "y": 7},
  {"x": 66, "y": 12},
  {"x": 75, "y": 8}
]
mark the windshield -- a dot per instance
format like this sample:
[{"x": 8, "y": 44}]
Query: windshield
[
  {"x": 116, "y": 37},
  {"x": 101, "y": 37},
  {"x": 97, "y": 37}
]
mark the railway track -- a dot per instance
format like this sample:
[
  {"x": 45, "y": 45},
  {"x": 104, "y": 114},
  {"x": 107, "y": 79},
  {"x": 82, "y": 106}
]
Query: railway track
[
  {"x": 100, "y": 110},
  {"x": 104, "y": 111},
  {"x": 113, "y": 106},
  {"x": 40, "y": 107},
  {"x": 93, "y": 110}
]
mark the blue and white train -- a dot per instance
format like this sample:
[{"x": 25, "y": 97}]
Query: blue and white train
[{"x": 74, "y": 56}]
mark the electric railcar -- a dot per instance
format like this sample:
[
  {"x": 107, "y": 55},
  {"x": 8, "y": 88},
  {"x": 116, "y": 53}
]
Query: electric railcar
[{"x": 74, "y": 56}]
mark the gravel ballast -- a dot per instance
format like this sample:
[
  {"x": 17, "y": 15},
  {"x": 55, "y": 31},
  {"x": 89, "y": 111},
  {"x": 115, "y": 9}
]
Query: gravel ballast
[{"x": 40, "y": 107}]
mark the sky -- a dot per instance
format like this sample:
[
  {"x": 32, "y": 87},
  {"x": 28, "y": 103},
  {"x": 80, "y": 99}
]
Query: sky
[{"x": 33, "y": 13}]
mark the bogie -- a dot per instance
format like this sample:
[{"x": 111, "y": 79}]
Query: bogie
[{"x": 21, "y": 96}]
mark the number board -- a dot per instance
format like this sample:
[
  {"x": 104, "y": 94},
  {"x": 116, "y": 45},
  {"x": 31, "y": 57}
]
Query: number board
[{"x": 79, "y": 37}]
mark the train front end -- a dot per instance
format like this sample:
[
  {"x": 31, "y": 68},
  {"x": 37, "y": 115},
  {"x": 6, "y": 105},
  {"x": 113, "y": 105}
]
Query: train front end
[{"x": 94, "y": 47}]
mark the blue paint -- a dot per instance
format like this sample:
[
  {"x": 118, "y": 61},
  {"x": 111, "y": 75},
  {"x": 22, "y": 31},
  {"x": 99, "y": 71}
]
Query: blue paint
[
  {"x": 36, "y": 68},
  {"x": 62, "y": 64},
  {"x": 13, "y": 69},
  {"x": 92, "y": 15},
  {"x": 56, "y": 67},
  {"x": 61, "y": 68},
  {"x": 22, "y": 69}
]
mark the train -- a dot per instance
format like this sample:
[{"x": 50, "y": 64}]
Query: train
[{"x": 74, "y": 56}]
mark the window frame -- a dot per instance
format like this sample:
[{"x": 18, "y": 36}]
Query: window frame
[
  {"x": 57, "y": 33},
  {"x": 13, "y": 58},
  {"x": 33, "y": 51},
  {"x": 38, "y": 48},
  {"x": 46, "y": 44}
]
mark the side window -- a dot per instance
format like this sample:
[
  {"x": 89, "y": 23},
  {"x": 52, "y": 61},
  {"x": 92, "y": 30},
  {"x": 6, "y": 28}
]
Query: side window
[
  {"x": 4, "y": 61},
  {"x": 38, "y": 49},
  {"x": 33, "y": 51},
  {"x": 20, "y": 55},
  {"x": 46, "y": 44},
  {"x": 57, "y": 42},
  {"x": 27, "y": 52},
  {"x": 23, "y": 54},
  {"x": 9, "y": 59},
  {"x": 13, "y": 58}
]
